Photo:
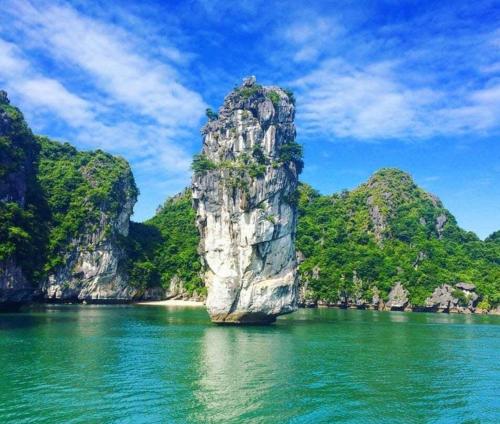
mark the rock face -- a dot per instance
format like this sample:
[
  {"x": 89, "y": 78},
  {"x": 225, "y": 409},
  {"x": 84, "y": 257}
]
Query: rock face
[
  {"x": 64, "y": 215},
  {"x": 442, "y": 299},
  {"x": 462, "y": 298},
  {"x": 14, "y": 287},
  {"x": 244, "y": 191},
  {"x": 93, "y": 262},
  {"x": 18, "y": 151},
  {"x": 398, "y": 298}
]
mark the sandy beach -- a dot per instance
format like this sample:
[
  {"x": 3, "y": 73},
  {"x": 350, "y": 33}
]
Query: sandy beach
[{"x": 171, "y": 302}]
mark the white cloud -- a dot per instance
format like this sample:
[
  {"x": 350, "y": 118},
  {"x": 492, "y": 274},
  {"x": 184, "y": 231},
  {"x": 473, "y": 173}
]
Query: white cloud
[
  {"x": 110, "y": 91},
  {"x": 113, "y": 59},
  {"x": 344, "y": 101},
  {"x": 10, "y": 62},
  {"x": 150, "y": 147},
  {"x": 310, "y": 36},
  {"x": 39, "y": 91},
  {"x": 374, "y": 102},
  {"x": 478, "y": 113},
  {"x": 51, "y": 94}
]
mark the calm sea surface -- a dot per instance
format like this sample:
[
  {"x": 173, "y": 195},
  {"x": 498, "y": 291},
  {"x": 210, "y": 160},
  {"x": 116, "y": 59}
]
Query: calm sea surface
[{"x": 153, "y": 364}]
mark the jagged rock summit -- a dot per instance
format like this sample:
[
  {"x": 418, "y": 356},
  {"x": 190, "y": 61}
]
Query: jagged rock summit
[{"x": 245, "y": 193}]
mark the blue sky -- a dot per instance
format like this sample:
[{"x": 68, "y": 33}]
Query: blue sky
[{"x": 409, "y": 84}]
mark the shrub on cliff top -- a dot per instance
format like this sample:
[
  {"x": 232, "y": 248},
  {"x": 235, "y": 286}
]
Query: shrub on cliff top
[
  {"x": 211, "y": 115},
  {"x": 292, "y": 152},
  {"x": 274, "y": 97},
  {"x": 247, "y": 92},
  {"x": 202, "y": 164}
]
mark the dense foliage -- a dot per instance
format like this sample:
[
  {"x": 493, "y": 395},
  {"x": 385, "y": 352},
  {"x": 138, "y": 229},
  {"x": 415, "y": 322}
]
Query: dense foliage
[
  {"x": 68, "y": 195},
  {"x": 83, "y": 193},
  {"x": 385, "y": 231},
  {"x": 202, "y": 164},
  {"x": 165, "y": 247},
  {"x": 21, "y": 206}
]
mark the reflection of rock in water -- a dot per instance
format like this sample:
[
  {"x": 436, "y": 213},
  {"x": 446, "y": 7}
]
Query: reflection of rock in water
[{"x": 239, "y": 369}]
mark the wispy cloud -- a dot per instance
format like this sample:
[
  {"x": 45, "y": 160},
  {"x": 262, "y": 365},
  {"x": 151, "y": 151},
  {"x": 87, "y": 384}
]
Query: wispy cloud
[
  {"x": 374, "y": 88},
  {"x": 108, "y": 87},
  {"x": 341, "y": 100},
  {"x": 111, "y": 57},
  {"x": 309, "y": 37},
  {"x": 20, "y": 77},
  {"x": 149, "y": 146}
]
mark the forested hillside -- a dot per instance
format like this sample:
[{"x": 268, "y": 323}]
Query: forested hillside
[
  {"x": 164, "y": 248},
  {"x": 351, "y": 244},
  {"x": 81, "y": 189},
  {"x": 64, "y": 230},
  {"x": 22, "y": 207},
  {"x": 64, "y": 216},
  {"x": 385, "y": 231}
]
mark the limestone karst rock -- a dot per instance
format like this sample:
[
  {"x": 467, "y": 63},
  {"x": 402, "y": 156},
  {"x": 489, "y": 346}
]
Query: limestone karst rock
[
  {"x": 398, "y": 298},
  {"x": 446, "y": 298},
  {"x": 244, "y": 191},
  {"x": 18, "y": 152},
  {"x": 64, "y": 218},
  {"x": 91, "y": 263}
]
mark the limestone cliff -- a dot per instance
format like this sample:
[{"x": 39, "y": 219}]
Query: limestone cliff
[
  {"x": 18, "y": 153},
  {"x": 390, "y": 244},
  {"x": 244, "y": 191},
  {"x": 91, "y": 195}
]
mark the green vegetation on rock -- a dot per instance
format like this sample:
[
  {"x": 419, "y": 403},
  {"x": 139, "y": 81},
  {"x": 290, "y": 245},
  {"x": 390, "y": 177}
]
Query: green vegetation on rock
[
  {"x": 57, "y": 198},
  {"x": 165, "y": 247},
  {"x": 385, "y": 231},
  {"x": 247, "y": 92},
  {"x": 82, "y": 190},
  {"x": 202, "y": 164},
  {"x": 353, "y": 244},
  {"x": 274, "y": 97},
  {"x": 211, "y": 115},
  {"x": 292, "y": 152},
  {"x": 22, "y": 238}
]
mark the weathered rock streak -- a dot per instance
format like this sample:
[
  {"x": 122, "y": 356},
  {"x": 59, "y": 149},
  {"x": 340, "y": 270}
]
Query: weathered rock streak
[
  {"x": 246, "y": 207},
  {"x": 94, "y": 263}
]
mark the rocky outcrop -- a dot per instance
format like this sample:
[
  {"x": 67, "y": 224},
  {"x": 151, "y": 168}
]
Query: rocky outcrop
[
  {"x": 442, "y": 299},
  {"x": 398, "y": 298},
  {"x": 461, "y": 299},
  {"x": 64, "y": 216},
  {"x": 18, "y": 152},
  {"x": 93, "y": 269},
  {"x": 15, "y": 289},
  {"x": 244, "y": 191}
]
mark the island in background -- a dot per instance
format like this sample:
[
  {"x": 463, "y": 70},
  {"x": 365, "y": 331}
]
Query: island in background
[{"x": 66, "y": 236}]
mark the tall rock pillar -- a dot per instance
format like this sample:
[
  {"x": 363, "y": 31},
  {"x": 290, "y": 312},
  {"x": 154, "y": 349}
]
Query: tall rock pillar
[{"x": 245, "y": 193}]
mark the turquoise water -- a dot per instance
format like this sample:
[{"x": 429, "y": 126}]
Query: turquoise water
[{"x": 134, "y": 364}]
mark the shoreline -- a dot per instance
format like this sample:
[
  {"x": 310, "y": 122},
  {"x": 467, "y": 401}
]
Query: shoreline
[
  {"x": 198, "y": 304},
  {"x": 416, "y": 310},
  {"x": 171, "y": 302}
]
